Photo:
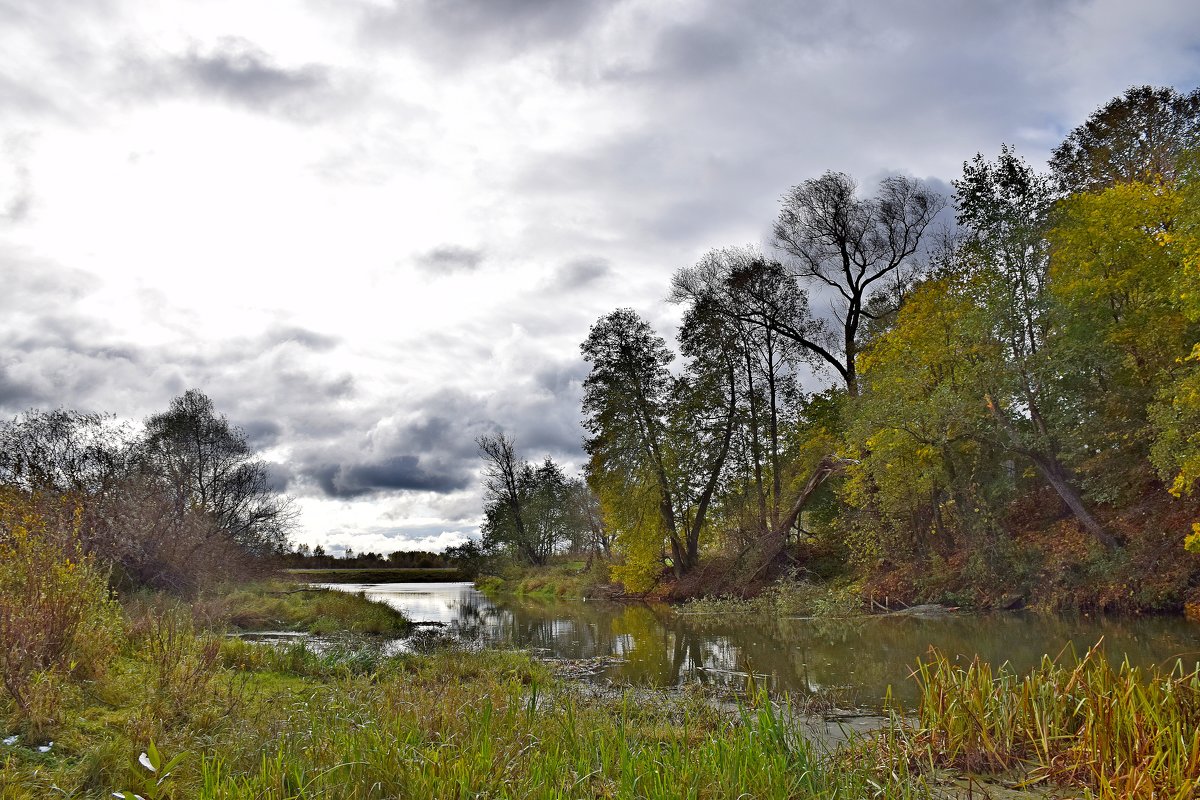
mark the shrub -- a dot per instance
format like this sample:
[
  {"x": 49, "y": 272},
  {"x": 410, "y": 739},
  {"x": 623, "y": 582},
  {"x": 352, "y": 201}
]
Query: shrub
[{"x": 58, "y": 621}]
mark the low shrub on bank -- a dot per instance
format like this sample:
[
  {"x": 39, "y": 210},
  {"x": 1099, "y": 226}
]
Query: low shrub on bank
[{"x": 787, "y": 598}]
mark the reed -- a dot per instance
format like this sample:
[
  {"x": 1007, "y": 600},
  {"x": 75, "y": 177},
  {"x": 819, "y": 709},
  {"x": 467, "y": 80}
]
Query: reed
[{"x": 1116, "y": 731}]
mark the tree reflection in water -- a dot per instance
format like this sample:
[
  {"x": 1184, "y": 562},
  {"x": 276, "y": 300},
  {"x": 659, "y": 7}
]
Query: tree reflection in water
[{"x": 856, "y": 658}]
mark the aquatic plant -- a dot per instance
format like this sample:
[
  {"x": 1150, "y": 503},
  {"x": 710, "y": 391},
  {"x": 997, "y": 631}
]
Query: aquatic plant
[{"x": 1121, "y": 732}]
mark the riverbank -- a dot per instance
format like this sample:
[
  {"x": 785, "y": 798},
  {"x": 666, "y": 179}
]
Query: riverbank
[
  {"x": 246, "y": 720},
  {"x": 563, "y": 579},
  {"x": 184, "y": 711}
]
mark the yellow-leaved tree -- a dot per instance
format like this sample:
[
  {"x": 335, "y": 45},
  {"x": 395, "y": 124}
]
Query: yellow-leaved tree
[{"x": 1176, "y": 416}]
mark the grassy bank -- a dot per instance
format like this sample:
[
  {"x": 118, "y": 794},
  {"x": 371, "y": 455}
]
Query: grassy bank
[
  {"x": 563, "y": 579},
  {"x": 376, "y": 575},
  {"x": 235, "y": 719},
  {"x": 281, "y": 606},
  {"x": 247, "y": 720}
]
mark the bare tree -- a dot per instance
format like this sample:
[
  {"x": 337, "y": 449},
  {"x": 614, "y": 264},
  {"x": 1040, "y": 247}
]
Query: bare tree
[
  {"x": 857, "y": 251},
  {"x": 206, "y": 463},
  {"x": 63, "y": 451},
  {"x": 501, "y": 481}
]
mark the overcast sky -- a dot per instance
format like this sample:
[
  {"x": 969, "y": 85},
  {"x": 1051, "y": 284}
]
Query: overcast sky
[{"x": 372, "y": 230}]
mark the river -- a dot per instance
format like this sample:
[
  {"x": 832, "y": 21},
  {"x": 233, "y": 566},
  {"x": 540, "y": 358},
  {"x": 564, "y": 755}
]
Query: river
[{"x": 853, "y": 661}]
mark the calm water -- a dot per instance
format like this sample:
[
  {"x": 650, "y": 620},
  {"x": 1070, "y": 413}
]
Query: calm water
[{"x": 858, "y": 658}]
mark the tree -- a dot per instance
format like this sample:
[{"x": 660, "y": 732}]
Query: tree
[
  {"x": 208, "y": 465},
  {"x": 527, "y": 509},
  {"x": 625, "y": 403},
  {"x": 1176, "y": 414},
  {"x": 921, "y": 423},
  {"x": 468, "y": 558},
  {"x": 591, "y": 536},
  {"x": 758, "y": 298},
  {"x": 1139, "y": 136},
  {"x": 653, "y": 442},
  {"x": 502, "y": 497},
  {"x": 63, "y": 451},
  {"x": 856, "y": 252},
  {"x": 1119, "y": 325},
  {"x": 1003, "y": 204}
]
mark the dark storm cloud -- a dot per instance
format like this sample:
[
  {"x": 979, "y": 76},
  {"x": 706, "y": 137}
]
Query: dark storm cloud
[
  {"x": 448, "y": 259},
  {"x": 454, "y": 32},
  {"x": 278, "y": 476},
  {"x": 262, "y": 433},
  {"x": 377, "y": 451},
  {"x": 395, "y": 473}
]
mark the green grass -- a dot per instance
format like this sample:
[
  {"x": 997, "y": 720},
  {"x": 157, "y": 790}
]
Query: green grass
[
  {"x": 376, "y": 575},
  {"x": 562, "y": 579}
]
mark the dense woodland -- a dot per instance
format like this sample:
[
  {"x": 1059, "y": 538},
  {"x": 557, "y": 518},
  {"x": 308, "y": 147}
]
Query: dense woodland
[{"x": 1011, "y": 410}]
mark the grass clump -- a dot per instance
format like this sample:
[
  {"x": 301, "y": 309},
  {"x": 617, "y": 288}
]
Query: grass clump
[
  {"x": 283, "y": 607},
  {"x": 1118, "y": 732}
]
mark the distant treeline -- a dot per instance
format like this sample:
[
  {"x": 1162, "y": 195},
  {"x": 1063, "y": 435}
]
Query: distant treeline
[{"x": 305, "y": 557}]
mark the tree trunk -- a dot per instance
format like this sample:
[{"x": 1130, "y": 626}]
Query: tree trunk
[{"x": 1056, "y": 475}]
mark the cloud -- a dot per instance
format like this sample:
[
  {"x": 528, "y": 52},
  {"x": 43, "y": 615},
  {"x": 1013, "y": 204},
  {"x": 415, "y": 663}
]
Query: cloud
[
  {"x": 461, "y": 32},
  {"x": 394, "y": 473},
  {"x": 448, "y": 259},
  {"x": 238, "y": 72},
  {"x": 580, "y": 272}
]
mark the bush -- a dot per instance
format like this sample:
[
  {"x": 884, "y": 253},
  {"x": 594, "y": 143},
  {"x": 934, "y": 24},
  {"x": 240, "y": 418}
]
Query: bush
[{"x": 58, "y": 621}]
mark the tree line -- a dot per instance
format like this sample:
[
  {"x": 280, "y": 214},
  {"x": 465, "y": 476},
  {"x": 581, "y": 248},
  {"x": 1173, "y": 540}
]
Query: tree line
[
  {"x": 1038, "y": 359},
  {"x": 178, "y": 502}
]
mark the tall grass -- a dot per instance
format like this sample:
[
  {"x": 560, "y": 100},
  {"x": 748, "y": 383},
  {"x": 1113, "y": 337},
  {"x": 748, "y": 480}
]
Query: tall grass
[{"x": 1119, "y": 732}]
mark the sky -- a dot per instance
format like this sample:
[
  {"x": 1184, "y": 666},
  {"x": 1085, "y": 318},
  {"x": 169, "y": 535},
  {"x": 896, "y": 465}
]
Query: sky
[{"x": 374, "y": 230}]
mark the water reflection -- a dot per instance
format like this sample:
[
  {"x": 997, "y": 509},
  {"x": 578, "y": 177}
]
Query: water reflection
[{"x": 857, "y": 658}]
